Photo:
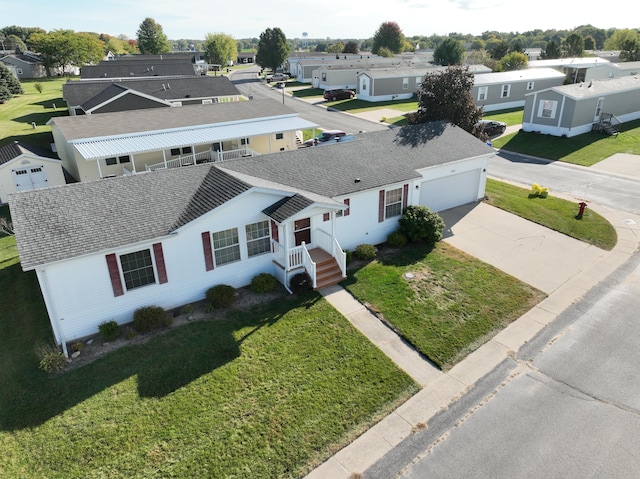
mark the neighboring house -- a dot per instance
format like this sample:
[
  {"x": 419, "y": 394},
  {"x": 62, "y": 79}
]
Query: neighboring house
[
  {"x": 120, "y": 143},
  {"x": 574, "y": 69},
  {"x": 132, "y": 67},
  {"x": 345, "y": 75},
  {"x": 390, "y": 84},
  {"x": 27, "y": 65},
  {"x": 246, "y": 57},
  {"x": 615, "y": 70},
  {"x": 571, "y": 110},
  {"x": 87, "y": 97},
  {"x": 303, "y": 70},
  {"x": 26, "y": 167},
  {"x": 291, "y": 63},
  {"x": 503, "y": 90},
  {"x": 102, "y": 249}
]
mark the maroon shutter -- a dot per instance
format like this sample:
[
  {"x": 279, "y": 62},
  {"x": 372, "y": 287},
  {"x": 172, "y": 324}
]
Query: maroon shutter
[
  {"x": 325, "y": 217},
  {"x": 274, "y": 231},
  {"x": 208, "y": 251},
  {"x": 381, "y": 207},
  {"x": 160, "y": 266},
  {"x": 347, "y": 211},
  {"x": 114, "y": 274},
  {"x": 405, "y": 196}
]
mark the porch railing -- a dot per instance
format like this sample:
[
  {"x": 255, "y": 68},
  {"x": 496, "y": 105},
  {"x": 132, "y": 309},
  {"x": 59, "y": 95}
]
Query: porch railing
[
  {"x": 297, "y": 257},
  {"x": 328, "y": 243},
  {"x": 187, "y": 160},
  {"x": 235, "y": 154},
  {"x": 308, "y": 263}
]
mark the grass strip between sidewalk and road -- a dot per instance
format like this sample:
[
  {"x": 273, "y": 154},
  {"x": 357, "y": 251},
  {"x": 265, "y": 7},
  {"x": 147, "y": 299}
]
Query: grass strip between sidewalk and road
[
  {"x": 450, "y": 305},
  {"x": 555, "y": 213}
]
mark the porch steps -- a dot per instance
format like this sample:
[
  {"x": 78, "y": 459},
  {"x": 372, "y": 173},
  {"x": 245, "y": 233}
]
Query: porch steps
[{"x": 327, "y": 270}]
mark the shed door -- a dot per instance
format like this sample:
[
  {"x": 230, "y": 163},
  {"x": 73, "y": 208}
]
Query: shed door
[
  {"x": 450, "y": 191},
  {"x": 30, "y": 178}
]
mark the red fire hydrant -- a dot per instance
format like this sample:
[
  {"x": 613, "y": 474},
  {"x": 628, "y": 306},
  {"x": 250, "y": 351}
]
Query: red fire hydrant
[{"x": 582, "y": 205}]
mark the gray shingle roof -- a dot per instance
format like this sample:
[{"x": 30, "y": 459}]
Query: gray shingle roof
[
  {"x": 287, "y": 207},
  {"x": 375, "y": 159},
  {"x": 58, "y": 223},
  {"x": 129, "y": 69},
  {"x": 12, "y": 150}
]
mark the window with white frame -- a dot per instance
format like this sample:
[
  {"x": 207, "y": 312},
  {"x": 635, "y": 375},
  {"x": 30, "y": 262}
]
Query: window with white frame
[
  {"x": 258, "y": 238},
  {"x": 506, "y": 90},
  {"x": 393, "y": 203},
  {"x": 482, "y": 93},
  {"x": 530, "y": 85},
  {"x": 137, "y": 269},
  {"x": 19, "y": 71},
  {"x": 405, "y": 83},
  {"x": 547, "y": 108},
  {"x": 226, "y": 246}
]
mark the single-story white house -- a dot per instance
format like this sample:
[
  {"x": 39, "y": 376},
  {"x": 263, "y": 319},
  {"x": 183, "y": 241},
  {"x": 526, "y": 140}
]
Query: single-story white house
[
  {"x": 27, "y": 167},
  {"x": 578, "y": 108},
  {"x": 504, "y": 90},
  {"x": 127, "y": 142},
  {"x": 575, "y": 69},
  {"x": 102, "y": 249}
]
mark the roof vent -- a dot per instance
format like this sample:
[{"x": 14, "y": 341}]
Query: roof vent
[{"x": 357, "y": 180}]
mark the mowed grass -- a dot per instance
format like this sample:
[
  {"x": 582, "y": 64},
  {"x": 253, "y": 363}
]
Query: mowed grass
[
  {"x": 453, "y": 304},
  {"x": 586, "y": 149},
  {"x": 266, "y": 393},
  {"x": 18, "y": 114},
  {"x": 555, "y": 213}
]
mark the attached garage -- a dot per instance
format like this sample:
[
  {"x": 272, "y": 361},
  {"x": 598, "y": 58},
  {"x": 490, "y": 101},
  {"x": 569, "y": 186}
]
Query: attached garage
[{"x": 450, "y": 191}]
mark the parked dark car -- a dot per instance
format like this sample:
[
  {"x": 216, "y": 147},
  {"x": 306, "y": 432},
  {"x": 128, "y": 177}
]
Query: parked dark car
[
  {"x": 339, "y": 94},
  {"x": 324, "y": 137},
  {"x": 491, "y": 127}
]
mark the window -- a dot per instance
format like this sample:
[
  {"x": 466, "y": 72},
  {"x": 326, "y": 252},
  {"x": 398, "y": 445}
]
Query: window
[
  {"x": 226, "y": 248},
  {"x": 393, "y": 203},
  {"x": 279, "y": 136},
  {"x": 124, "y": 159},
  {"x": 19, "y": 71},
  {"x": 207, "y": 101},
  {"x": 324, "y": 76},
  {"x": 530, "y": 85},
  {"x": 482, "y": 93},
  {"x": 137, "y": 269},
  {"x": 244, "y": 141},
  {"x": 547, "y": 108},
  {"x": 258, "y": 239},
  {"x": 186, "y": 150},
  {"x": 175, "y": 151},
  {"x": 405, "y": 83},
  {"x": 110, "y": 161},
  {"x": 345, "y": 212},
  {"x": 596, "y": 116},
  {"x": 506, "y": 89}
]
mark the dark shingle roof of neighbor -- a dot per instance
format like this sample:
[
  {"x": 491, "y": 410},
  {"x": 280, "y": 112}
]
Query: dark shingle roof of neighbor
[
  {"x": 12, "y": 150},
  {"x": 58, "y": 223},
  {"x": 129, "y": 69},
  {"x": 157, "y": 119},
  {"x": 92, "y": 92}
]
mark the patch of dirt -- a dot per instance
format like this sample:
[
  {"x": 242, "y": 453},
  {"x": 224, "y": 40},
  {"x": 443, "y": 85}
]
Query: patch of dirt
[{"x": 94, "y": 347}]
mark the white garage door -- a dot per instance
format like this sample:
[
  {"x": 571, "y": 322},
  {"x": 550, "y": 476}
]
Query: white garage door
[
  {"x": 30, "y": 178},
  {"x": 450, "y": 191}
]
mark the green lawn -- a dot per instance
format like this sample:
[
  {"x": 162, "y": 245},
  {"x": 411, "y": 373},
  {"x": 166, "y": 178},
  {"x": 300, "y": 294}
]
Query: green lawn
[
  {"x": 18, "y": 114},
  {"x": 586, "y": 149},
  {"x": 554, "y": 213},
  {"x": 511, "y": 117},
  {"x": 270, "y": 392},
  {"x": 453, "y": 305}
]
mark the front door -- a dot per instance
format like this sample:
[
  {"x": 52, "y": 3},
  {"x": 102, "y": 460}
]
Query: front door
[{"x": 302, "y": 231}]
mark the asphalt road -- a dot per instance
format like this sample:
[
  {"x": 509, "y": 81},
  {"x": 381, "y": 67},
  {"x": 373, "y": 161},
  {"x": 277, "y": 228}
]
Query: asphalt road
[
  {"x": 250, "y": 85},
  {"x": 568, "y": 406},
  {"x": 606, "y": 189}
]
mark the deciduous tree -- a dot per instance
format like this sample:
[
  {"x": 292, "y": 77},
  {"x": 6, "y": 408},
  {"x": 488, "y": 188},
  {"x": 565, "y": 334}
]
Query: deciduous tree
[
  {"x": 513, "y": 61},
  {"x": 151, "y": 38},
  {"x": 573, "y": 45},
  {"x": 449, "y": 52},
  {"x": 273, "y": 48},
  {"x": 627, "y": 41},
  {"x": 64, "y": 48},
  {"x": 390, "y": 36},
  {"x": 446, "y": 95},
  {"x": 351, "y": 47},
  {"x": 551, "y": 51},
  {"x": 219, "y": 48}
]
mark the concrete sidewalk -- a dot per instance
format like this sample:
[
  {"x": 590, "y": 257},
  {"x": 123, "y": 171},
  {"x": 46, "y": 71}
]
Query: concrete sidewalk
[{"x": 562, "y": 267}]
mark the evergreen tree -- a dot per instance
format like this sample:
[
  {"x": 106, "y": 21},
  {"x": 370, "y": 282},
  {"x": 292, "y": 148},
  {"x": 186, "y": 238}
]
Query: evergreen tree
[
  {"x": 151, "y": 38},
  {"x": 573, "y": 45},
  {"x": 449, "y": 52},
  {"x": 551, "y": 51},
  {"x": 389, "y": 36},
  {"x": 9, "y": 84}
]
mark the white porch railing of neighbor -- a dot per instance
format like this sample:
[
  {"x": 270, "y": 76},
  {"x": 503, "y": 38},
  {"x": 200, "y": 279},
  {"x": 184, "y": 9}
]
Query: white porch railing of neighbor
[
  {"x": 186, "y": 160},
  {"x": 235, "y": 154}
]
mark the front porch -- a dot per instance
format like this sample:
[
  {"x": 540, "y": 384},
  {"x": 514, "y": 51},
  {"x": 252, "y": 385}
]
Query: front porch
[
  {"x": 325, "y": 262},
  {"x": 202, "y": 157}
]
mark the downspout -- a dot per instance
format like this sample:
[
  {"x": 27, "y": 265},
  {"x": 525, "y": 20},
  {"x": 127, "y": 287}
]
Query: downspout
[
  {"x": 57, "y": 330},
  {"x": 99, "y": 169},
  {"x": 164, "y": 158}
]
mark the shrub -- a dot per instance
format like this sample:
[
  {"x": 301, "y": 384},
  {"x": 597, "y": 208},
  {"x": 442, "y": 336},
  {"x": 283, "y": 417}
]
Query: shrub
[
  {"x": 148, "y": 318},
  {"x": 348, "y": 255},
  {"x": 38, "y": 87},
  {"x": 419, "y": 223},
  {"x": 221, "y": 296},
  {"x": 263, "y": 283},
  {"x": 109, "y": 330},
  {"x": 301, "y": 283},
  {"x": 365, "y": 251},
  {"x": 51, "y": 359},
  {"x": 396, "y": 238}
]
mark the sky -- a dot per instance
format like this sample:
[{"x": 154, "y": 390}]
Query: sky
[{"x": 355, "y": 19}]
